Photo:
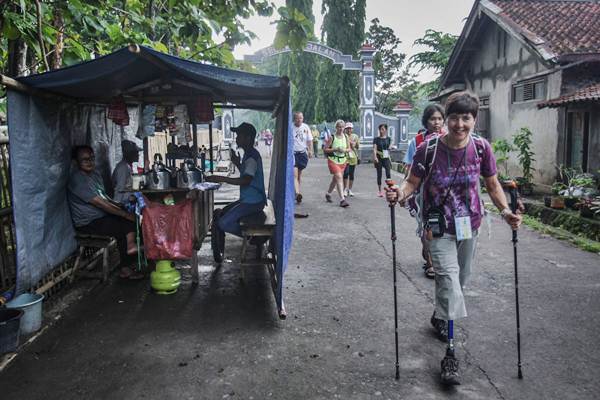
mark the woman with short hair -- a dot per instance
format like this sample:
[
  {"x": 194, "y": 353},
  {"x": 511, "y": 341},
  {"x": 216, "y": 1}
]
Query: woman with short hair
[
  {"x": 336, "y": 150},
  {"x": 449, "y": 167},
  {"x": 93, "y": 212}
]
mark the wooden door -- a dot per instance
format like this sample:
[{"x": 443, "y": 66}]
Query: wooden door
[{"x": 578, "y": 139}]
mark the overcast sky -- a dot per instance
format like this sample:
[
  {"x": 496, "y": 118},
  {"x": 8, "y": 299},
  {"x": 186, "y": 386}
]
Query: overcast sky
[{"x": 408, "y": 18}]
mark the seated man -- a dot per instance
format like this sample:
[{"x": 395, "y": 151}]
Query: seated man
[
  {"x": 251, "y": 182},
  {"x": 122, "y": 176},
  {"x": 93, "y": 212}
]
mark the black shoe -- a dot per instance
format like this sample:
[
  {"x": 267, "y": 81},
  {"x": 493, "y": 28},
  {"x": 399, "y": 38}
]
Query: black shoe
[
  {"x": 450, "y": 374},
  {"x": 441, "y": 327}
]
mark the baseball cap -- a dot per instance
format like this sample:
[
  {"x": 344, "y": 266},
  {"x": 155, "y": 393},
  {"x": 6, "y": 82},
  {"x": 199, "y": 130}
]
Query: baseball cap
[
  {"x": 348, "y": 125},
  {"x": 129, "y": 147},
  {"x": 245, "y": 129}
]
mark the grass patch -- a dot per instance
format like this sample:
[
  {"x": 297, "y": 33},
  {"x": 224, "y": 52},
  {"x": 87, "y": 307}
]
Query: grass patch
[{"x": 558, "y": 233}]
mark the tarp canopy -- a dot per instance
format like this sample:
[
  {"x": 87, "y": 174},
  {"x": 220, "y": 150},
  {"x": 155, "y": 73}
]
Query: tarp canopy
[
  {"x": 60, "y": 108},
  {"x": 134, "y": 70}
]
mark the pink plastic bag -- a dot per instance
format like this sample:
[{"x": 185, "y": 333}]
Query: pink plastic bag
[{"x": 168, "y": 231}]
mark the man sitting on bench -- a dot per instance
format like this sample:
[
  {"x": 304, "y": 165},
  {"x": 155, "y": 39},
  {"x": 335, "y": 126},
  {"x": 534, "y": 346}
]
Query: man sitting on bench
[{"x": 251, "y": 182}]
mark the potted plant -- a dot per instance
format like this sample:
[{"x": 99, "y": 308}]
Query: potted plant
[
  {"x": 585, "y": 208},
  {"x": 556, "y": 200},
  {"x": 523, "y": 143},
  {"x": 501, "y": 148},
  {"x": 584, "y": 185},
  {"x": 595, "y": 205},
  {"x": 567, "y": 176}
]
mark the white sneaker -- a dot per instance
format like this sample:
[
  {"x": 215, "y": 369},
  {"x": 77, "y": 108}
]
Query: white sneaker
[
  {"x": 346, "y": 192},
  {"x": 350, "y": 193}
]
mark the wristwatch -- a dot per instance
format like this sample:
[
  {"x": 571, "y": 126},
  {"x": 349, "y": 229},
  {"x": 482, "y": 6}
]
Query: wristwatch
[{"x": 505, "y": 212}]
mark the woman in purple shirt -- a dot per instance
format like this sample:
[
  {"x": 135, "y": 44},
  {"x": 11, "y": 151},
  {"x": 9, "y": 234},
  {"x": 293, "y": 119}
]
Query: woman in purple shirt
[{"x": 450, "y": 167}]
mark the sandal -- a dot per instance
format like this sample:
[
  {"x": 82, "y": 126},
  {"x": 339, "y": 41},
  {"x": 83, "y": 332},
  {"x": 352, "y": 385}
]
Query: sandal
[
  {"x": 429, "y": 271},
  {"x": 136, "y": 276},
  {"x": 125, "y": 273}
]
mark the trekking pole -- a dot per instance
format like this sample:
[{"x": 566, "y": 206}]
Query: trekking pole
[
  {"x": 513, "y": 206},
  {"x": 391, "y": 183}
]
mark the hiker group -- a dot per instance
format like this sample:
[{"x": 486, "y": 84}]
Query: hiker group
[{"x": 341, "y": 149}]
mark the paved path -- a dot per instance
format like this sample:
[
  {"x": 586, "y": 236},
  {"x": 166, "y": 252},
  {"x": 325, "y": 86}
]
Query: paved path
[{"x": 221, "y": 339}]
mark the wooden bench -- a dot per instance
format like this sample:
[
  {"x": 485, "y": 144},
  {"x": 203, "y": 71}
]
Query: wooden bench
[
  {"x": 260, "y": 226},
  {"x": 94, "y": 251},
  {"x": 95, "y": 257}
]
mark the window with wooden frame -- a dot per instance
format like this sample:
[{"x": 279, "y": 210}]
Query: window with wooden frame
[
  {"x": 482, "y": 126},
  {"x": 534, "y": 89}
]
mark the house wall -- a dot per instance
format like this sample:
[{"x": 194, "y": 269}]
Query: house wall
[{"x": 493, "y": 76}]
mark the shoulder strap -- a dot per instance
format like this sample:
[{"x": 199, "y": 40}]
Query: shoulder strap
[
  {"x": 479, "y": 145},
  {"x": 430, "y": 152}
]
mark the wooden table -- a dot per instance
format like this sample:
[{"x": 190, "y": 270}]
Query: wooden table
[{"x": 202, "y": 210}]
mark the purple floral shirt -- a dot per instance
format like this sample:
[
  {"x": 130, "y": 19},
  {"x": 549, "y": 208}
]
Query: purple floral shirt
[{"x": 467, "y": 178}]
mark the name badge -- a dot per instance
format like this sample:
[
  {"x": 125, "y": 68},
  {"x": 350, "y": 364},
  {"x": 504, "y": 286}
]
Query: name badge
[
  {"x": 463, "y": 228},
  {"x": 386, "y": 154}
]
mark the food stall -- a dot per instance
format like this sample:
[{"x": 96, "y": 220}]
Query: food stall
[{"x": 51, "y": 112}]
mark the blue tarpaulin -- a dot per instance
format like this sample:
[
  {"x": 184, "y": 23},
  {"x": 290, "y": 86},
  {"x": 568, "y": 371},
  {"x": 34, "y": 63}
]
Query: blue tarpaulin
[{"x": 42, "y": 131}]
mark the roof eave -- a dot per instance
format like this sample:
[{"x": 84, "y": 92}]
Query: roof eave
[{"x": 532, "y": 42}]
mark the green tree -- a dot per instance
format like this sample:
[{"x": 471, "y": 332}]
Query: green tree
[
  {"x": 393, "y": 80},
  {"x": 37, "y": 36},
  {"x": 344, "y": 30},
  {"x": 300, "y": 67},
  {"x": 436, "y": 58}
]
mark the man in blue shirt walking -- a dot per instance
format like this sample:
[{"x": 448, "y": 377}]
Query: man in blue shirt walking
[{"x": 251, "y": 182}]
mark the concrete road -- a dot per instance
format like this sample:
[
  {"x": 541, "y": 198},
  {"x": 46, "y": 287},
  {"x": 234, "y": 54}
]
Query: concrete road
[{"x": 222, "y": 339}]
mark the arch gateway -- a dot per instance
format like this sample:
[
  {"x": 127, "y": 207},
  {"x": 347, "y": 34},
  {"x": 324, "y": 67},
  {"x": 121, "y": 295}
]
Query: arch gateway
[{"x": 369, "y": 117}]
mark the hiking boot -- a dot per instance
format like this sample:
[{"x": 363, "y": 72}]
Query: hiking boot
[
  {"x": 450, "y": 374},
  {"x": 441, "y": 327},
  {"x": 328, "y": 197},
  {"x": 344, "y": 203}
]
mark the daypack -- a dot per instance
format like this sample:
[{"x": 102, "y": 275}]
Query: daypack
[{"x": 430, "y": 154}]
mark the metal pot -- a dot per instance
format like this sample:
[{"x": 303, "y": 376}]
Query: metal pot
[
  {"x": 188, "y": 175},
  {"x": 158, "y": 177}
]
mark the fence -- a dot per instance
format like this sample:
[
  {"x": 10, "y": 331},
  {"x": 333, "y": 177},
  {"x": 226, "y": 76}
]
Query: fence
[{"x": 7, "y": 228}]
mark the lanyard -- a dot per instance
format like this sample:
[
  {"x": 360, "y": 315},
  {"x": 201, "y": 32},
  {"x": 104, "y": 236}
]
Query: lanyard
[{"x": 467, "y": 184}]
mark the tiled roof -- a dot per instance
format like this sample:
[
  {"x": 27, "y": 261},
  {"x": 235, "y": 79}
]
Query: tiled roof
[
  {"x": 588, "y": 93},
  {"x": 567, "y": 27}
]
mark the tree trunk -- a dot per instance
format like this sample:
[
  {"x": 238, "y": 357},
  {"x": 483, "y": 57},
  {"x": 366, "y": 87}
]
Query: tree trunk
[
  {"x": 59, "y": 24},
  {"x": 17, "y": 58},
  {"x": 38, "y": 8}
]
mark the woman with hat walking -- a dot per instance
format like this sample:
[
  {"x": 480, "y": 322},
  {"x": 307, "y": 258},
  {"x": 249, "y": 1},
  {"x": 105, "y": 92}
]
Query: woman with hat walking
[{"x": 336, "y": 150}]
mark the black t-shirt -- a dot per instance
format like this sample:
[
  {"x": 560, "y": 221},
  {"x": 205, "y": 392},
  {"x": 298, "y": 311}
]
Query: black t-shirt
[{"x": 382, "y": 143}]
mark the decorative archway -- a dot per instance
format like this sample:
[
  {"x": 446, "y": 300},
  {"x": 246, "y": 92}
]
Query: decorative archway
[{"x": 364, "y": 64}]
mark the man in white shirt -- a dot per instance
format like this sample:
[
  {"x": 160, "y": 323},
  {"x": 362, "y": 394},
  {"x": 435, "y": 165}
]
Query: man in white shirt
[{"x": 302, "y": 150}]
